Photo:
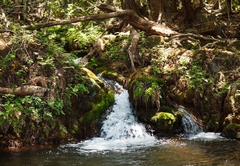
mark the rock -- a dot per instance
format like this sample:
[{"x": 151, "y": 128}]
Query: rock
[
  {"x": 154, "y": 40},
  {"x": 4, "y": 48},
  {"x": 163, "y": 120},
  {"x": 207, "y": 24},
  {"x": 232, "y": 130}
]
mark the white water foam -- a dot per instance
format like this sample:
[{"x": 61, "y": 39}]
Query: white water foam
[
  {"x": 120, "y": 130},
  {"x": 207, "y": 136}
]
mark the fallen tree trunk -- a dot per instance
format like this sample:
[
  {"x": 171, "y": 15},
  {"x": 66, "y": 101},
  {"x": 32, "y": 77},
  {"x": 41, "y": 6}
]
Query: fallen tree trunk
[
  {"x": 24, "y": 90},
  {"x": 130, "y": 16},
  {"x": 36, "y": 86}
]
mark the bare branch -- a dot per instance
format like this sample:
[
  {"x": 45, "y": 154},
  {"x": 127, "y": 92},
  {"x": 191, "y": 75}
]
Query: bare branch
[
  {"x": 24, "y": 90},
  {"x": 129, "y": 16}
]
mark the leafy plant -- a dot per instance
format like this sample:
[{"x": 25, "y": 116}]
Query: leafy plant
[
  {"x": 197, "y": 76},
  {"x": 7, "y": 59},
  {"x": 15, "y": 111},
  {"x": 82, "y": 38}
]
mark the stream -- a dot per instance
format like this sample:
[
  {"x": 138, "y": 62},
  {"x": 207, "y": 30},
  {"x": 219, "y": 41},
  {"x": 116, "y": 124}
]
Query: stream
[{"x": 124, "y": 141}]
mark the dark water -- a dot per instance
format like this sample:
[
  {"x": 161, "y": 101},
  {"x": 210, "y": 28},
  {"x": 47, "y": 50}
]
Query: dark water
[{"x": 169, "y": 152}]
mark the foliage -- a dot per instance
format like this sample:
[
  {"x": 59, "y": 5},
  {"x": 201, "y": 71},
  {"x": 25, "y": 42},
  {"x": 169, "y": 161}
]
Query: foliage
[
  {"x": 146, "y": 86},
  {"x": 116, "y": 49},
  {"x": 197, "y": 77},
  {"x": 17, "y": 111},
  {"x": 148, "y": 90},
  {"x": 82, "y": 36}
]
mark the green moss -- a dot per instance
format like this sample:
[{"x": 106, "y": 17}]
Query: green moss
[
  {"x": 98, "y": 109},
  {"x": 154, "y": 40},
  {"x": 149, "y": 79},
  {"x": 147, "y": 91},
  {"x": 167, "y": 109},
  {"x": 163, "y": 116},
  {"x": 75, "y": 129},
  {"x": 164, "y": 120},
  {"x": 110, "y": 74}
]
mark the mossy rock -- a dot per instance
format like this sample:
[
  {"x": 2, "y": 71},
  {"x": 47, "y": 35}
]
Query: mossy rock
[
  {"x": 199, "y": 55},
  {"x": 232, "y": 130},
  {"x": 179, "y": 114},
  {"x": 112, "y": 75},
  {"x": 145, "y": 91},
  {"x": 154, "y": 40},
  {"x": 163, "y": 120},
  {"x": 86, "y": 109},
  {"x": 98, "y": 108},
  {"x": 167, "y": 109}
]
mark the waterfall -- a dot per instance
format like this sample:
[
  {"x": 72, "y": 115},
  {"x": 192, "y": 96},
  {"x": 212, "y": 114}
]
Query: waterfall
[
  {"x": 193, "y": 131},
  {"x": 190, "y": 126},
  {"x": 120, "y": 129}
]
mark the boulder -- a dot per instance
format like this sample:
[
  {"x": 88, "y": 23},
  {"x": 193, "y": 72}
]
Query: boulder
[{"x": 232, "y": 130}]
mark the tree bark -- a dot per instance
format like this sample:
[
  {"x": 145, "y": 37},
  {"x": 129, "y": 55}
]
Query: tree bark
[
  {"x": 127, "y": 15},
  {"x": 157, "y": 9},
  {"x": 36, "y": 86},
  {"x": 24, "y": 90},
  {"x": 132, "y": 50},
  {"x": 189, "y": 11}
]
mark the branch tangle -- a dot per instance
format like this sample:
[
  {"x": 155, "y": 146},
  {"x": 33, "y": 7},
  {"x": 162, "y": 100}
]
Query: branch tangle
[{"x": 127, "y": 15}]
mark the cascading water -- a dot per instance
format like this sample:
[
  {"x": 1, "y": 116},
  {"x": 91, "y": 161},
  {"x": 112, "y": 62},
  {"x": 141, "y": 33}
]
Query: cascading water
[
  {"x": 190, "y": 126},
  {"x": 120, "y": 130},
  {"x": 193, "y": 131}
]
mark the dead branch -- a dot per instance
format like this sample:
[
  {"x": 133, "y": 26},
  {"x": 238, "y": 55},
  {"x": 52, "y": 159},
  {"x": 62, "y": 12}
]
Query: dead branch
[
  {"x": 132, "y": 50},
  {"x": 127, "y": 15},
  {"x": 36, "y": 86},
  {"x": 24, "y": 90},
  {"x": 6, "y": 30},
  {"x": 97, "y": 48},
  {"x": 186, "y": 36},
  {"x": 38, "y": 81}
]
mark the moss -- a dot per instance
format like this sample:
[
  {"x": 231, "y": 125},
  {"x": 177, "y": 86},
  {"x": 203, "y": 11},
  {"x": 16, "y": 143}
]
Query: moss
[
  {"x": 167, "y": 109},
  {"x": 154, "y": 40},
  {"x": 110, "y": 74},
  {"x": 163, "y": 116},
  {"x": 147, "y": 91},
  {"x": 164, "y": 120},
  {"x": 98, "y": 109},
  {"x": 149, "y": 79},
  {"x": 75, "y": 129}
]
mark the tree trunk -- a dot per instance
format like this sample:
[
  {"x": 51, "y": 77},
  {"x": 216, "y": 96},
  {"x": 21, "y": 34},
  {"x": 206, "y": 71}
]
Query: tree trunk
[
  {"x": 136, "y": 6},
  {"x": 188, "y": 10},
  {"x": 156, "y": 9}
]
